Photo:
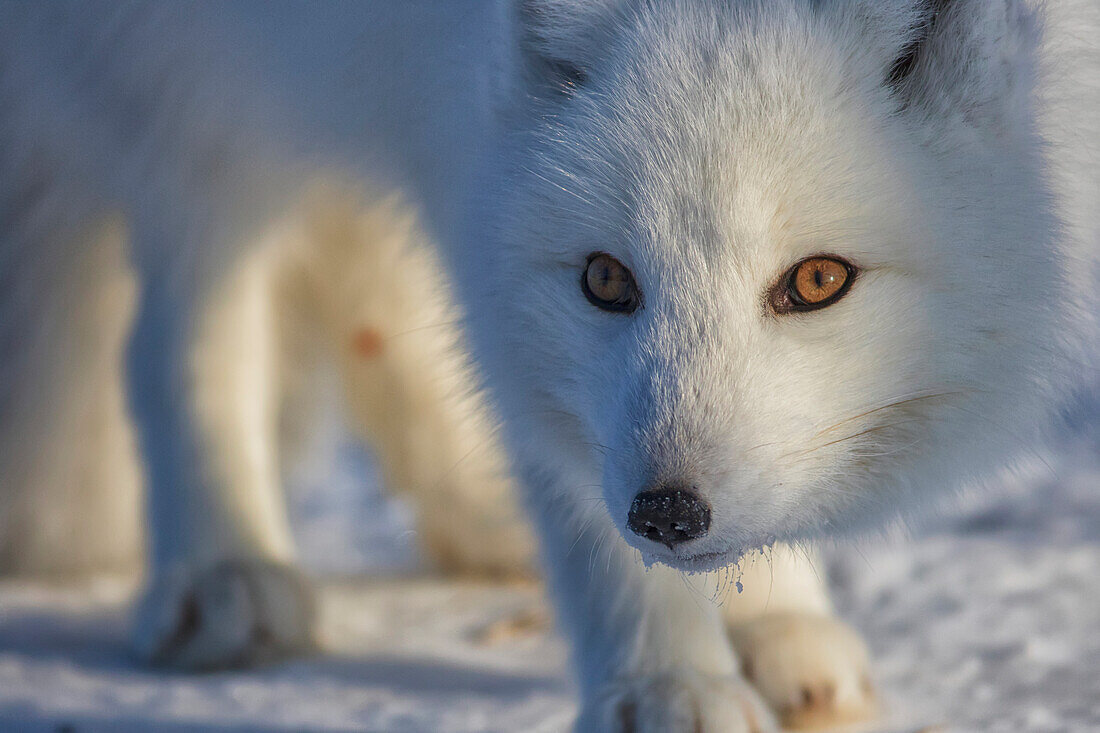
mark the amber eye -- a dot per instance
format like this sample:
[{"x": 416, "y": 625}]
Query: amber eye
[
  {"x": 609, "y": 285},
  {"x": 813, "y": 283}
]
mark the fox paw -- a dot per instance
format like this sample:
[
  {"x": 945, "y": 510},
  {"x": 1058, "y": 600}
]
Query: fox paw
[
  {"x": 681, "y": 702},
  {"x": 811, "y": 669},
  {"x": 237, "y": 613}
]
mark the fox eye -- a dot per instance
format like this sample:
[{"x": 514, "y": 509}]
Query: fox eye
[
  {"x": 609, "y": 285},
  {"x": 813, "y": 283}
]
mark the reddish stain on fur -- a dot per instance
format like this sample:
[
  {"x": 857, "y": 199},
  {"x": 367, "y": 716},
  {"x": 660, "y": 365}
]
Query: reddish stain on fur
[{"x": 368, "y": 343}]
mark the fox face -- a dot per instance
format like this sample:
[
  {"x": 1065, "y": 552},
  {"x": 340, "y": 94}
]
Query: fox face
[{"x": 779, "y": 269}]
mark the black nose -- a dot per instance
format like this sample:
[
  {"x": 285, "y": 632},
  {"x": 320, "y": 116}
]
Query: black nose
[{"x": 669, "y": 516}]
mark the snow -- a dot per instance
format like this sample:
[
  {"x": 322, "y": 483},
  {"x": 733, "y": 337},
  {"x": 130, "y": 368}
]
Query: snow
[
  {"x": 990, "y": 621},
  {"x": 987, "y": 619}
]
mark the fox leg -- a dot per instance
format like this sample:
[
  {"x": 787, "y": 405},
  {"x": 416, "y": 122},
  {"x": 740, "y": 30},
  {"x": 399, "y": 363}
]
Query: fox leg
[
  {"x": 69, "y": 478},
  {"x": 222, "y": 590},
  {"x": 810, "y": 667},
  {"x": 359, "y": 276}
]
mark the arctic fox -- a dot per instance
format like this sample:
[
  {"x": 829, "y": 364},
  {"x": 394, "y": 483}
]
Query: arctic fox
[{"x": 736, "y": 274}]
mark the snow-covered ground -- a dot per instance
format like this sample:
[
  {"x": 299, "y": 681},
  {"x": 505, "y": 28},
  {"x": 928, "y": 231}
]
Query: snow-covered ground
[{"x": 986, "y": 620}]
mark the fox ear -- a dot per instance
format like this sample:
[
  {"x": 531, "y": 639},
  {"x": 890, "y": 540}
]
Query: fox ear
[
  {"x": 974, "y": 58},
  {"x": 558, "y": 40}
]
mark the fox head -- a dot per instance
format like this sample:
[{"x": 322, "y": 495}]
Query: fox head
[{"x": 796, "y": 260}]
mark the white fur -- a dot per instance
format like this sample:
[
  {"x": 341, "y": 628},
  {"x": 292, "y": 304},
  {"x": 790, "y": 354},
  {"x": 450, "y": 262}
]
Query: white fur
[
  {"x": 712, "y": 147},
  {"x": 708, "y": 146},
  {"x": 353, "y": 282},
  {"x": 69, "y": 476}
]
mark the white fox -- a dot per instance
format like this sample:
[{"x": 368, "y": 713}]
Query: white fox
[{"x": 735, "y": 274}]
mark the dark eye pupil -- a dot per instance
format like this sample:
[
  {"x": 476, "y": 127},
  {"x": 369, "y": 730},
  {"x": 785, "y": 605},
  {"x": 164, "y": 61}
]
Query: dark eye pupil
[{"x": 605, "y": 275}]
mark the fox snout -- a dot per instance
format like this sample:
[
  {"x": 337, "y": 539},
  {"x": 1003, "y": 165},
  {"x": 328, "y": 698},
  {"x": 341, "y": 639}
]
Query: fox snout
[{"x": 669, "y": 516}]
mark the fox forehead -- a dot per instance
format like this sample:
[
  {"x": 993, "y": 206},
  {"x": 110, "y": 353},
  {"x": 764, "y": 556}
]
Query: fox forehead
[{"x": 727, "y": 145}]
